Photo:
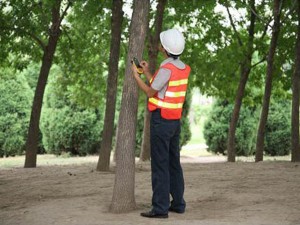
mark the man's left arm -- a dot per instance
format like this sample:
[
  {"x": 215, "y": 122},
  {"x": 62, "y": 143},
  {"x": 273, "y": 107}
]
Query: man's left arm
[{"x": 150, "y": 92}]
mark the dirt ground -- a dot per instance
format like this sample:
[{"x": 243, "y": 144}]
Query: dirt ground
[{"x": 217, "y": 193}]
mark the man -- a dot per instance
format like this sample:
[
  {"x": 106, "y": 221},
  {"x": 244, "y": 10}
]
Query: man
[{"x": 166, "y": 97}]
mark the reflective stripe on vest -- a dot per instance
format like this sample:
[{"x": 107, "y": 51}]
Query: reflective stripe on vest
[
  {"x": 165, "y": 104},
  {"x": 178, "y": 82},
  {"x": 175, "y": 94}
]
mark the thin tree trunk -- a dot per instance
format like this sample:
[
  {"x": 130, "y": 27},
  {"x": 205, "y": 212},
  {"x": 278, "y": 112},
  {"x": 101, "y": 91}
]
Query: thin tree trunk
[
  {"x": 245, "y": 71},
  {"x": 146, "y": 147},
  {"x": 123, "y": 194},
  {"x": 33, "y": 131},
  {"x": 112, "y": 81},
  {"x": 152, "y": 52},
  {"x": 268, "y": 86},
  {"x": 295, "y": 102}
]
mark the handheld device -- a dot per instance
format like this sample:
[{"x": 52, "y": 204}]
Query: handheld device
[{"x": 136, "y": 62}]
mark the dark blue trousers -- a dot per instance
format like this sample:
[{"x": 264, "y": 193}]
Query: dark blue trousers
[{"x": 167, "y": 176}]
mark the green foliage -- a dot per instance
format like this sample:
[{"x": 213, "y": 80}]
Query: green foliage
[
  {"x": 67, "y": 127},
  {"x": 200, "y": 112},
  {"x": 217, "y": 126},
  {"x": 214, "y": 53},
  {"x": 15, "y": 102},
  {"x": 185, "y": 134},
  {"x": 31, "y": 73},
  {"x": 278, "y": 129},
  {"x": 71, "y": 130},
  {"x": 24, "y": 27},
  {"x": 84, "y": 52}
]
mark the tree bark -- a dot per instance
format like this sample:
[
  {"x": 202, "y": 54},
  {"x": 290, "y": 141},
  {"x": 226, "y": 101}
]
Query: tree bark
[
  {"x": 33, "y": 131},
  {"x": 245, "y": 71},
  {"x": 268, "y": 86},
  {"x": 123, "y": 194},
  {"x": 152, "y": 52},
  {"x": 295, "y": 101},
  {"x": 112, "y": 81}
]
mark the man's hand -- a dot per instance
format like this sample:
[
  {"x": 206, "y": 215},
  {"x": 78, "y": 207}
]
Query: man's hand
[
  {"x": 148, "y": 90},
  {"x": 134, "y": 70},
  {"x": 146, "y": 70},
  {"x": 145, "y": 66}
]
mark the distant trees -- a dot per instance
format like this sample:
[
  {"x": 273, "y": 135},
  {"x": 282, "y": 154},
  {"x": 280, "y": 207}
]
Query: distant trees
[
  {"x": 233, "y": 48},
  {"x": 227, "y": 48}
]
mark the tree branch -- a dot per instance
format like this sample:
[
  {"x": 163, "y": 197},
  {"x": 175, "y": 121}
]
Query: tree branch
[
  {"x": 259, "y": 62},
  {"x": 69, "y": 38},
  {"x": 233, "y": 26},
  {"x": 37, "y": 39},
  {"x": 21, "y": 32},
  {"x": 266, "y": 28},
  {"x": 260, "y": 18},
  {"x": 65, "y": 11}
]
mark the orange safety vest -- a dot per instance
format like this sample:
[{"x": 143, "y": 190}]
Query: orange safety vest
[{"x": 171, "y": 104}]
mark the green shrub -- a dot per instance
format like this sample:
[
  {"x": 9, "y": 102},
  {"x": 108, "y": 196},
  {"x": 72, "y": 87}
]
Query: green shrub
[
  {"x": 185, "y": 134},
  {"x": 15, "y": 107},
  {"x": 70, "y": 130},
  {"x": 66, "y": 126},
  {"x": 277, "y": 135},
  {"x": 217, "y": 126},
  {"x": 278, "y": 129}
]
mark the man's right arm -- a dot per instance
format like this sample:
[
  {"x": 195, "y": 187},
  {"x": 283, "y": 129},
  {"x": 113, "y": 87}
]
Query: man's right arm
[{"x": 148, "y": 76}]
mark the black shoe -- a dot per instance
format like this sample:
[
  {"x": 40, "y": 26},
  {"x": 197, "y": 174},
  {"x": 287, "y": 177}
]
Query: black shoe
[
  {"x": 175, "y": 210},
  {"x": 152, "y": 214}
]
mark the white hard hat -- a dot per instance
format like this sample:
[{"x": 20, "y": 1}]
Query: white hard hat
[{"x": 173, "y": 41}]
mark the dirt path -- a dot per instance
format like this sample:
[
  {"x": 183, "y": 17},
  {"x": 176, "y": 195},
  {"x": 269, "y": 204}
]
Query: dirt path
[{"x": 216, "y": 194}]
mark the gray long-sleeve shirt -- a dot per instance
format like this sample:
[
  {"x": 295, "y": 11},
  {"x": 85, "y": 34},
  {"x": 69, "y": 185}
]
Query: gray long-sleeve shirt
[{"x": 160, "y": 82}]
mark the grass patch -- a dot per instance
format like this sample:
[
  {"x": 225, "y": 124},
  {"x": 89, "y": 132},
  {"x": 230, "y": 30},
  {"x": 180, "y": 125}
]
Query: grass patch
[
  {"x": 46, "y": 160},
  {"x": 266, "y": 158},
  {"x": 197, "y": 132}
]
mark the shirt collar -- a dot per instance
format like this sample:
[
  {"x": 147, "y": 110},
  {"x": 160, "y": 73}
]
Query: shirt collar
[{"x": 170, "y": 59}]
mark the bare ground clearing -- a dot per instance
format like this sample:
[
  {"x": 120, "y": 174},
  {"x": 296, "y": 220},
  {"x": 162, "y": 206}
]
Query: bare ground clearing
[{"x": 217, "y": 193}]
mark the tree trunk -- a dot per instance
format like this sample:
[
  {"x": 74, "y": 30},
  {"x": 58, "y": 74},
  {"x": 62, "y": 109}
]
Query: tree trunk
[
  {"x": 295, "y": 102},
  {"x": 146, "y": 148},
  {"x": 268, "y": 85},
  {"x": 33, "y": 131},
  {"x": 123, "y": 194},
  {"x": 152, "y": 52},
  {"x": 112, "y": 81},
  {"x": 245, "y": 71}
]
